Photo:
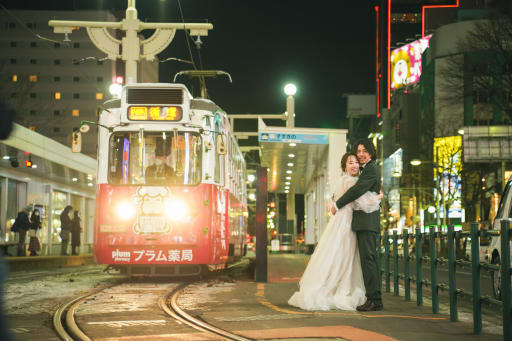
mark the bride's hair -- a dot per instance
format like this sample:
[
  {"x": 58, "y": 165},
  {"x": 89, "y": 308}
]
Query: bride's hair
[{"x": 344, "y": 160}]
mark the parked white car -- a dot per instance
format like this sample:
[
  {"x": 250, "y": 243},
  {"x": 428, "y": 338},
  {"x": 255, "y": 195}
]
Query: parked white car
[{"x": 494, "y": 249}]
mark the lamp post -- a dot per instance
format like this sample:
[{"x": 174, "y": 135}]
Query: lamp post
[
  {"x": 440, "y": 189},
  {"x": 290, "y": 90}
]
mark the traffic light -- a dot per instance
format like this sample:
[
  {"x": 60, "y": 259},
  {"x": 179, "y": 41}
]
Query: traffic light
[
  {"x": 76, "y": 142},
  {"x": 28, "y": 163},
  {"x": 119, "y": 80}
]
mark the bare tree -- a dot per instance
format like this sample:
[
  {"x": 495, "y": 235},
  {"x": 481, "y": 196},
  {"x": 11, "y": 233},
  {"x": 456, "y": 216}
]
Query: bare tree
[{"x": 481, "y": 69}]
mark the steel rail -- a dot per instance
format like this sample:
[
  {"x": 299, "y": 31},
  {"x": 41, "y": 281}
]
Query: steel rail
[
  {"x": 57, "y": 319},
  {"x": 182, "y": 316}
]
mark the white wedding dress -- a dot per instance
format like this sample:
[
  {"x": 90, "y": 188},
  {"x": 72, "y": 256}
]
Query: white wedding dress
[{"x": 333, "y": 278}]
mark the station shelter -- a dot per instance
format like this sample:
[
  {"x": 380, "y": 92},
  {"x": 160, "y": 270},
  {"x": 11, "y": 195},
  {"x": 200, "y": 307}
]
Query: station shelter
[
  {"x": 39, "y": 172},
  {"x": 302, "y": 161}
]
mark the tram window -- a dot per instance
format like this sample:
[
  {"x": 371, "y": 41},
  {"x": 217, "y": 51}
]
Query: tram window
[{"x": 155, "y": 158}]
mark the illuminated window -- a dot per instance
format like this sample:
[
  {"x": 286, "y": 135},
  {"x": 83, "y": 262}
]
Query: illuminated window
[
  {"x": 99, "y": 95},
  {"x": 32, "y": 78},
  {"x": 76, "y": 112},
  {"x": 57, "y": 95},
  {"x": 14, "y": 78},
  {"x": 33, "y": 128}
]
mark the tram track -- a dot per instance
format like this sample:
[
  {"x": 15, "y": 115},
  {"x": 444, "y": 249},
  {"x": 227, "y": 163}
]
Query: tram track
[{"x": 68, "y": 329}]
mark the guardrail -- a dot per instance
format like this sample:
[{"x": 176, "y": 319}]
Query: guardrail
[{"x": 453, "y": 263}]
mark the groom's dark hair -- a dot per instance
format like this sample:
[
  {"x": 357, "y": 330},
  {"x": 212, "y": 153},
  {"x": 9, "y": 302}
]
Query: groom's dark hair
[{"x": 368, "y": 145}]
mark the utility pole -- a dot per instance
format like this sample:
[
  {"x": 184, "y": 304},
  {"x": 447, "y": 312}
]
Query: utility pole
[{"x": 132, "y": 48}]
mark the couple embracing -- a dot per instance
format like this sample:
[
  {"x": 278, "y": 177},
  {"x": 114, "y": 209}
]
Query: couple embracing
[{"x": 342, "y": 272}]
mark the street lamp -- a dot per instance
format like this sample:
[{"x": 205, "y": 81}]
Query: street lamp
[
  {"x": 290, "y": 90},
  {"x": 115, "y": 90},
  {"x": 415, "y": 162}
]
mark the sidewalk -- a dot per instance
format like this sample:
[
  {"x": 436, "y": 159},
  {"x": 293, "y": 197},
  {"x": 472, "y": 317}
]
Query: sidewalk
[
  {"x": 260, "y": 311},
  {"x": 46, "y": 262}
]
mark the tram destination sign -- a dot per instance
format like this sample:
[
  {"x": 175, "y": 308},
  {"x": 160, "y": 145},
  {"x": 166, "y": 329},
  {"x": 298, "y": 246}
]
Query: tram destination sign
[{"x": 295, "y": 138}]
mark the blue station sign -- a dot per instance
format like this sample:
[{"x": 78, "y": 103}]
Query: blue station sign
[{"x": 295, "y": 138}]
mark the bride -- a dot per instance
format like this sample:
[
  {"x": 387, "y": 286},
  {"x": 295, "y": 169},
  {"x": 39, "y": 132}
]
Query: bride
[{"x": 333, "y": 278}]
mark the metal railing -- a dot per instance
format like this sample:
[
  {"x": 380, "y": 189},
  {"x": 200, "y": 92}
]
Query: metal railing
[{"x": 432, "y": 236}]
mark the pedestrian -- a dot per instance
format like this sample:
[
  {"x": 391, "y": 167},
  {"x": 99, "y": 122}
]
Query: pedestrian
[
  {"x": 34, "y": 246},
  {"x": 21, "y": 226},
  {"x": 75, "y": 233},
  {"x": 65, "y": 229}
]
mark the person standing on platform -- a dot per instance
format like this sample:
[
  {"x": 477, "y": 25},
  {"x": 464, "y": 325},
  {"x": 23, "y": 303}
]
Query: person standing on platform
[
  {"x": 75, "y": 233},
  {"x": 34, "y": 246},
  {"x": 21, "y": 226},
  {"x": 65, "y": 229}
]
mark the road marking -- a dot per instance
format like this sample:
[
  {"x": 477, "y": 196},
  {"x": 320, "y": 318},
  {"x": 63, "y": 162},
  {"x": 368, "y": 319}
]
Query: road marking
[
  {"x": 260, "y": 293},
  {"x": 19, "y": 330},
  {"x": 343, "y": 332},
  {"x": 130, "y": 323},
  {"x": 259, "y": 318}
]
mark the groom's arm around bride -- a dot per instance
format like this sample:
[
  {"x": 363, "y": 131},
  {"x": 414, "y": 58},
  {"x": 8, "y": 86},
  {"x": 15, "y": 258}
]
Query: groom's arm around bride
[{"x": 366, "y": 225}]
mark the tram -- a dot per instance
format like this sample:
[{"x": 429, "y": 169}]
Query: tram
[{"x": 171, "y": 192}]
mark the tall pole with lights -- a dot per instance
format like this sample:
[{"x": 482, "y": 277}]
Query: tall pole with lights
[
  {"x": 290, "y": 91},
  {"x": 132, "y": 48}
]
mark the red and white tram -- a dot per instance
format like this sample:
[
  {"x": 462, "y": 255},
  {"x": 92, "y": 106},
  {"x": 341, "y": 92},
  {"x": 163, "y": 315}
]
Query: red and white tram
[{"x": 171, "y": 196}]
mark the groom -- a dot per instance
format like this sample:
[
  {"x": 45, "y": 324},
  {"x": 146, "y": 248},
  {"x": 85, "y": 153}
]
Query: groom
[{"x": 366, "y": 225}]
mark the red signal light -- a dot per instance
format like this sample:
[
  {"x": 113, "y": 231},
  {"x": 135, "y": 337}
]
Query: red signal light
[
  {"x": 28, "y": 163},
  {"x": 119, "y": 80}
]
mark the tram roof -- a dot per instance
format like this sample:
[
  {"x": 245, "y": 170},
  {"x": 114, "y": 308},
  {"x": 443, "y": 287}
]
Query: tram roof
[
  {"x": 310, "y": 149},
  {"x": 54, "y": 160}
]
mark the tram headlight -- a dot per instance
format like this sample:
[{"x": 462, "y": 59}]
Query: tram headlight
[
  {"x": 175, "y": 210},
  {"x": 125, "y": 210}
]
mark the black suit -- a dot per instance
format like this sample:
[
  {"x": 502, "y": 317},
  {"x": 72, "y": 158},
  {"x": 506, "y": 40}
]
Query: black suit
[{"x": 366, "y": 226}]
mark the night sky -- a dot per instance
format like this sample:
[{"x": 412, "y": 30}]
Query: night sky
[{"x": 325, "y": 51}]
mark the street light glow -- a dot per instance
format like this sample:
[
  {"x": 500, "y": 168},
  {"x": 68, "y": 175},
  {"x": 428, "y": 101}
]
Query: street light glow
[
  {"x": 290, "y": 89},
  {"x": 115, "y": 90},
  {"x": 415, "y": 162}
]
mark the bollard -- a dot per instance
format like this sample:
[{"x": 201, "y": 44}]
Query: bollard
[
  {"x": 419, "y": 284},
  {"x": 395, "y": 263},
  {"x": 386, "y": 261},
  {"x": 475, "y": 274},
  {"x": 506, "y": 295},
  {"x": 452, "y": 283},
  {"x": 407, "y": 277},
  {"x": 433, "y": 271}
]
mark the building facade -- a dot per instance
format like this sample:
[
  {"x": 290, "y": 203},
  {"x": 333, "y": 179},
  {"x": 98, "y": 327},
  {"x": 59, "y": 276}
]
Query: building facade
[{"x": 54, "y": 81}]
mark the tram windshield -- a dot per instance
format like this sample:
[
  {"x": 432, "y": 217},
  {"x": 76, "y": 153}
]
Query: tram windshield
[{"x": 155, "y": 158}]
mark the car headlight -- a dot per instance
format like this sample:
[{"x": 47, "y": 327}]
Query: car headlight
[
  {"x": 125, "y": 210},
  {"x": 175, "y": 209}
]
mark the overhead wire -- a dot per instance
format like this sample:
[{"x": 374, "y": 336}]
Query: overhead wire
[{"x": 187, "y": 36}]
